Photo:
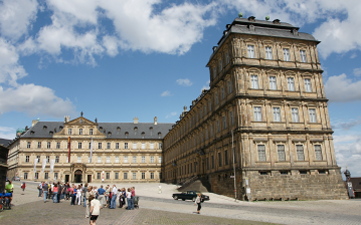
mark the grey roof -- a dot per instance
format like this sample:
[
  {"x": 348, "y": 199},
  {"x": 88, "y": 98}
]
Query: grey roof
[
  {"x": 4, "y": 142},
  {"x": 112, "y": 130},
  {"x": 265, "y": 28}
]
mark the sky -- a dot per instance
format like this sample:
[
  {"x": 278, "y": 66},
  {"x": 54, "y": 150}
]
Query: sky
[{"x": 118, "y": 59}]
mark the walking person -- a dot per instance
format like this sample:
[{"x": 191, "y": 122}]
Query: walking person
[
  {"x": 23, "y": 186},
  {"x": 45, "y": 191},
  {"x": 113, "y": 203},
  {"x": 198, "y": 202},
  {"x": 129, "y": 199},
  {"x": 95, "y": 207},
  {"x": 88, "y": 193},
  {"x": 55, "y": 191},
  {"x": 40, "y": 188}
]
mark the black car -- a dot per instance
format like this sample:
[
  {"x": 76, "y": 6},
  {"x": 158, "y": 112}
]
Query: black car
[{"x": 189, "y": 195}]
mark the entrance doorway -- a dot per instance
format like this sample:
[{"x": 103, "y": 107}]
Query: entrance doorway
[
  {"x": 89, "y": 179},
  {"x": 78, "y": 176},
  {"x": 66, "y": 178}
]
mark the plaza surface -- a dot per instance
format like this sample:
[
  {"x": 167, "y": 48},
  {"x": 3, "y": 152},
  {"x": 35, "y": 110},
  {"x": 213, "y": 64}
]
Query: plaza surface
[{"x": 158, "y": 207}]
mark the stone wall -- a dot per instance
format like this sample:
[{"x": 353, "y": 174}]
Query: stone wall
[{"x": 313, "y": 185}]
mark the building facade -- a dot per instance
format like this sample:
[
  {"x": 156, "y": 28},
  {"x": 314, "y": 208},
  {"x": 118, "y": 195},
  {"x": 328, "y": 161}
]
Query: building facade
[
  {"x": 82, "y": 151},
  {"x": 3, "y": 163},
  {"x": 262, "y": 130}
]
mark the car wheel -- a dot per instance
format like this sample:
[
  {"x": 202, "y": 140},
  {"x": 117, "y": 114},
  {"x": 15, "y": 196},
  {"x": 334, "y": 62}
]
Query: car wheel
[
  {"x": 183, "y": 199},
  {"x": 194, "y": 199},
  {"x": 175, "y": 197}
]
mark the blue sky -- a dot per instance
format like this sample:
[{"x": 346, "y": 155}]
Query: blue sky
[{"x": 119, "y": 59}]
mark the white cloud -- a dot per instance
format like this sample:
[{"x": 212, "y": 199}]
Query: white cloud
[
  {"x": 166, "y": 94},
  {"x": 34, "y": 100},
  {"x": 348, "y": 153},
  {"x": 16, "y": 17},
  {"x": 347, "y": 89},
  {"x": 184, "y": 82},
  {"x": 7, "y": 133},
  {"x": 357, "y": 72},
  {"x": 10, "y": 69}
]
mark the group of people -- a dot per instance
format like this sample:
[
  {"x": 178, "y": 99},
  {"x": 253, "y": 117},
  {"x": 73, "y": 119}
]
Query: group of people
[{"x": 91, "y": 197}]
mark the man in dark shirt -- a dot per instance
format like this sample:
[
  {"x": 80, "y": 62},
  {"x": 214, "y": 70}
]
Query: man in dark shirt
[
  {"x": 45, "y": 191},
  {"x": 101, "y": 196}
]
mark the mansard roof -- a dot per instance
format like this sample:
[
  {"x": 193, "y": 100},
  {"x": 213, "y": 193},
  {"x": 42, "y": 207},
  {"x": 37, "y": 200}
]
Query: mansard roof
[{"x": 113, "y": 130}]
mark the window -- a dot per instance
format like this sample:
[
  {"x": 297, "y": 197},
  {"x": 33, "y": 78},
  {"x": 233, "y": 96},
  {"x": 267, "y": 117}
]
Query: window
[
  {"x": 230, "y": 89},
  {"x": 151, "y": 145},
  {"x": 57, "y": 145},
  {"x": 134, "y": 159},
  {"x": 143, "y": 159},
  {"x": 25, "y": 176},
  {"x": 212, "y": 161},
  {"x": 57, "y": 159},
  {"x": 152, "y": 159},
  {"x": 80, "y": 145},
  {"x": 134, "y": 177},
  {"x": 98, "y": 176},
  {"x": 151, "y": 175},
  {"x": 134, "y": 146},
  {"x": 300, "y": 153},
  {"x": 46, "y": 176},
  {"x": 28, "y": 145},
  {"x": 272, "y": 83},
  {"x": 254, "y": 81},
  {"x": 224, "y": 119},
  {"x": 38, "y": 158},
  {"x": 36, "y": 175},
  {"x": 286, "y": 54},
  {"x": 99, "y": 145},
  {"x": 39, "y": 144},
  {"x": 231, "y": 117},
  {"x": 276, "y": 114},
  {"x": 108, "y": 145},
  {"x": 261, "y": 153},
  {"x": 47, "y": 159},
  {"x": 143, "y": 175},
  {"x": 226, "y": 157},
  {"x": 268, "y": 52},
  {"x": 27, "y": 158},
  {"x": 79, "y": 159},
  {"x": 219, "y": 159},
  {"x": 308, "y": 87},
  {"x": 80, "y": 131},
  {"x": 318, "y": 152},
  {"x": 290, "y": 83},
  {"x": 125, "y": 160},
  {"x": 159, "y": 159},
  {"x": 107, "y": 159},
  {"x": 99, "y": 159},
  {"x": 250, "y": 49},
  {"x": 70, "y": 131},
  {"x": 91, "y": 131},
  {"x": 281, "y": 153},
  {"x": 257, "y": 113},
  {"x": 107, "y": 175},
  {"x": 303, "y": 56},
  {"x": 125, "y": 176},
  {"x": 116, "y": 159},
  {"x": 116, "y": 175},
  {"x": 48, "y": 145},
  {"x": 143, "y": 146},
  {"x": 125, "y": 145},
  {"x": 295, "y": 117},
  {"x": 312, "y": 114},
  {"x": 116, "y": 145}
]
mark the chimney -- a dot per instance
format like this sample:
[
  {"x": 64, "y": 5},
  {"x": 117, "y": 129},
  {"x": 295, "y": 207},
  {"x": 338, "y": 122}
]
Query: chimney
[
  {"x": 66, "y": 119},
  {"x": 155, "y": 120},
  {"x": 135, "y": 120}
]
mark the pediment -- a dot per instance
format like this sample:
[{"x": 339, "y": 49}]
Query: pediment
[{"x": 80, "y": 121}]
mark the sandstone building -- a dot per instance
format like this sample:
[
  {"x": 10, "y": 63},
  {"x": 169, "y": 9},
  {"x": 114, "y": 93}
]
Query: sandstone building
[
  {"x": 266, "y": 109},
  {"x": 262, "y": 130},
  {"x": 82, "y": 151}
]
